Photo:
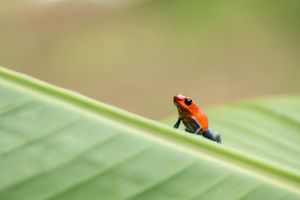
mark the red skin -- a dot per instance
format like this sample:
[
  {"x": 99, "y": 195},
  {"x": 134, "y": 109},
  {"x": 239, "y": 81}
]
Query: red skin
[{"x": 187, "y": 111}]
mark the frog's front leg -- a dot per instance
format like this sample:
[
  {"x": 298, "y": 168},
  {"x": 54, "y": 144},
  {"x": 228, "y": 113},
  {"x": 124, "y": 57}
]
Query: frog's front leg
[{"x": 176, "y": 125}]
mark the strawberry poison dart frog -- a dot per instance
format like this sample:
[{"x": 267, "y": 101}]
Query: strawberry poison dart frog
[{"x": 193, "y": 118}]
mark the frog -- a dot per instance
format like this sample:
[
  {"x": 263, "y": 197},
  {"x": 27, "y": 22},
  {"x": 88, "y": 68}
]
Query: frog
[{"x": 193, "y": 117}]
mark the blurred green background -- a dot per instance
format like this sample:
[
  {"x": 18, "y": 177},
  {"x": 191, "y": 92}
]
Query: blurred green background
[{"x": 137, "y": 54}]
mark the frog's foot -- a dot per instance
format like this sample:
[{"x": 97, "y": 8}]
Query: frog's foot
[
  {"x": 218, "y": 138},
  {"x": 189, "y": 130},
  {"x": 212, "y": 136}
]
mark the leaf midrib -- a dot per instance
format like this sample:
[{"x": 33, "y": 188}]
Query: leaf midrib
[{"x": 222, "y": 154}]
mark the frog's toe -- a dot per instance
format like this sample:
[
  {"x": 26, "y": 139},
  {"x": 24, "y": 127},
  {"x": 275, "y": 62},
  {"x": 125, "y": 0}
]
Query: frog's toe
[
  {"x": 189, "y": 130},
  {"x": 218, "y": 138}
]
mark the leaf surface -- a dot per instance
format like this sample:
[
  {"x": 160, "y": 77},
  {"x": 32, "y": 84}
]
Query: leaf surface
[{"x": 56, "y": 144}]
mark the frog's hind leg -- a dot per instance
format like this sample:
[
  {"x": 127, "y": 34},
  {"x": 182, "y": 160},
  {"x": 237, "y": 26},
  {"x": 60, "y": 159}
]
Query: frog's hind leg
[{"x": 212, "y": 136}]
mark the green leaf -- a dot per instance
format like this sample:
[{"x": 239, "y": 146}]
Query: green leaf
[{"x": 56, "y": 144}]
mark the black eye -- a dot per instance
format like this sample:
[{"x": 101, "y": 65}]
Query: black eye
[{"x": 188, "y": 101}]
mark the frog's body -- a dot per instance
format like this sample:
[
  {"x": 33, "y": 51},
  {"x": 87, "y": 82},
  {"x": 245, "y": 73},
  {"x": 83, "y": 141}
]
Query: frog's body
[
  {"x": 193, "y": 117},
  {"x": 186, "y": 117}
]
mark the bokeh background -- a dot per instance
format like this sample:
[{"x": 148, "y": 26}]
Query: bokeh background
[{"x": 136, "y": 54}]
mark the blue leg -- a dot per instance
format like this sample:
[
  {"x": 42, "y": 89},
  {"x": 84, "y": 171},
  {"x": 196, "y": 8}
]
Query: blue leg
[
  {"x": 176, "y": 125},
  {"x": 212, "y": 136}
]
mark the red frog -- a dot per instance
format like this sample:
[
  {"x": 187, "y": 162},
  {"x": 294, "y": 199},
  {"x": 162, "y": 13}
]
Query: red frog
[{"x": 193, "y": 118}]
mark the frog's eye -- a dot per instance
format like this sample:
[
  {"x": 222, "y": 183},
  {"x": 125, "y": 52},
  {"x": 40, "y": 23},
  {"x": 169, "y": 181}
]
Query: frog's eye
[{"x": 188, "y": 101}]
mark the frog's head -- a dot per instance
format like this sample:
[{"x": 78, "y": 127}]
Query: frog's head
[{"x": 184, "y": 104}]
